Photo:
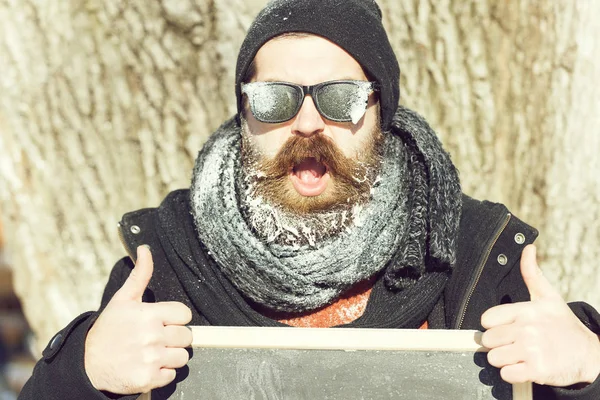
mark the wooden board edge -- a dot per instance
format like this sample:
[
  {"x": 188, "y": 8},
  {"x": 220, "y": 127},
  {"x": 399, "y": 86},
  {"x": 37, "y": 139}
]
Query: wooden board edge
[
  {"x": 522, "y": 391},
  {"x": 337, "y": 338}
]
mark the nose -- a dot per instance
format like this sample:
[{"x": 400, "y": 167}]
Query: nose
[{"x": 308, "y": 121}]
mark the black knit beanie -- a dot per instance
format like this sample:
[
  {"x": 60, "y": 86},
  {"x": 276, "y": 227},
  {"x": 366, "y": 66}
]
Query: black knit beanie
[{"x": 354, "y": 25}]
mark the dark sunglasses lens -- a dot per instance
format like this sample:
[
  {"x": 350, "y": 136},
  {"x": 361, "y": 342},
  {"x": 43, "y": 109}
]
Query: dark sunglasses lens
[
  {"x": 337, "y": 101},
  {"x": 272, "y": 102}
]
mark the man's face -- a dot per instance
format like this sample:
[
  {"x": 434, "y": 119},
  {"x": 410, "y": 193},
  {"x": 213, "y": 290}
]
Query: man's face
[{"x": 310, "y": 163}]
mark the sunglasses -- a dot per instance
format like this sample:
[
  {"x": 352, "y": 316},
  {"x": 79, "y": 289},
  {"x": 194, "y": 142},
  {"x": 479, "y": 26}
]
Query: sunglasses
[{"x": 339, "y": 101}]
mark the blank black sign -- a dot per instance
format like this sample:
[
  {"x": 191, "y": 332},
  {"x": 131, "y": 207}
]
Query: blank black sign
[
  {"x": 232, "y": 374},
  {"x": 272, "y": 363}
]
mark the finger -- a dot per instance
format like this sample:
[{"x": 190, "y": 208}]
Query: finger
[
  {"x": 163, "y": 377},
  {"x": 175, "y": 358},
  {"x": 504, "y": 314},
  {"x": 173, "y": 312},
  {"x": 136, "y": 283},
  {"x": 498, "y": 336},
  {"x": 505, "y": 355},
  {"x": 515, "y": 373},
  {"x": 536, "y": 282},
  {"x": 178, "y": 336}
]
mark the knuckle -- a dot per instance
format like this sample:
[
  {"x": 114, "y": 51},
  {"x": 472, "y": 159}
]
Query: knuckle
[
  {"x": 539, "y": 367},
  {"x": 150, "y": 358},
  {"x": 151, "y": 339},
  {"x": 532, "y": 355},
  {"x": 146, "y": 317},
  {"x": 527, "y": 314},
  {"x": 531, "y": 335}
]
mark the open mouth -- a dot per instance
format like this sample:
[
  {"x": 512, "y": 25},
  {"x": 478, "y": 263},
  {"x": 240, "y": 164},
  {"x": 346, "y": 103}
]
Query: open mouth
[{"x": 310, "y": 177}]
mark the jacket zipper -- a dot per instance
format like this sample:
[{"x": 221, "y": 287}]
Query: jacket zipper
[
  {"x": 124, "y": 243},
  {"x": 463, "y": 308}
]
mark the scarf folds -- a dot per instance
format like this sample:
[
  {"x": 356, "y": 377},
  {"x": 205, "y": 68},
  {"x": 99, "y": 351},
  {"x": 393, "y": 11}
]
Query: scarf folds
[
  {"x": 293, "y": 278},
  {"x": 394, "y": 233}
]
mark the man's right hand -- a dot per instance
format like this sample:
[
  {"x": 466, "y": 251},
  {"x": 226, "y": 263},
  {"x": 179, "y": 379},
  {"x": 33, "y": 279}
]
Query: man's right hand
[{"x": 134, "y": 347}]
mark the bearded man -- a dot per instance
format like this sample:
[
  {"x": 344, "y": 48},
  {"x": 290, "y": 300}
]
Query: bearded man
[{"x": 322, "y": 203}]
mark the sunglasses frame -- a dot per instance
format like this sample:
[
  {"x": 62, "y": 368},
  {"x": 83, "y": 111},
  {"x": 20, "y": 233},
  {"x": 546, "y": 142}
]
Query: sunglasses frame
[{"x": 301, "y": 92}]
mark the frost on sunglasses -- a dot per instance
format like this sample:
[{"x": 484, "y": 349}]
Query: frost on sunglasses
[{"x": 339, "y": 101}]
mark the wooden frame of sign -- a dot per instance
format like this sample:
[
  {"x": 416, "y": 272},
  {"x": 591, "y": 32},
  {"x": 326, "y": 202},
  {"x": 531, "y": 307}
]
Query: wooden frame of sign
[{"x": 380, "y": 341}]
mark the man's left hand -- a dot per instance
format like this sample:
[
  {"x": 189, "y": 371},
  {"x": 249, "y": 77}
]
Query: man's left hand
[{"x": 541, "y": 340}]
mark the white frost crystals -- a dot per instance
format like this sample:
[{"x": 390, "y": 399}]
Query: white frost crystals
[
  {"x": 358, "y": 104},
  {"x": 266, "y": 101}
]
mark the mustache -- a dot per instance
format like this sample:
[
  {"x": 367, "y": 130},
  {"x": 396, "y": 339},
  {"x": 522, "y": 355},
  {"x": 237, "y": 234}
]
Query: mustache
[{"x": 318, "y": 147}]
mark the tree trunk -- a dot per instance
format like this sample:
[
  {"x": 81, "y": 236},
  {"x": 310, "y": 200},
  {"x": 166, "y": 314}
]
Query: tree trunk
[{"x": 105, "y": 104}]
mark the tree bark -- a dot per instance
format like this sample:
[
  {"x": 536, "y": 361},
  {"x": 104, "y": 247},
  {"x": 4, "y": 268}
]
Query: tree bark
[{"x": 105, "y": 105}]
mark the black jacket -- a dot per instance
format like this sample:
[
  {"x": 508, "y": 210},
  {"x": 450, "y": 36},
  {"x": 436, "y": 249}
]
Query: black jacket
[{"x": 486, "y": 274}]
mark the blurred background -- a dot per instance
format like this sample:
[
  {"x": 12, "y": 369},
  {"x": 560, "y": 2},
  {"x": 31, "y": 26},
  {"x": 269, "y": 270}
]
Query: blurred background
[
  {"x": 104, "y": 105},
  {"x": 16, "y": 358}
]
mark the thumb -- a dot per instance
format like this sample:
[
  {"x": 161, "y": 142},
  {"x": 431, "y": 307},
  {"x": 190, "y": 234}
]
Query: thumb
[
  {"x": 136, "y": 283},
  {"x": 536, "y": 282}
]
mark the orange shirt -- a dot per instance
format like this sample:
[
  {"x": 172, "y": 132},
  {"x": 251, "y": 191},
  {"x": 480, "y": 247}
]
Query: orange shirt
[{"x": 349, "y": 307}]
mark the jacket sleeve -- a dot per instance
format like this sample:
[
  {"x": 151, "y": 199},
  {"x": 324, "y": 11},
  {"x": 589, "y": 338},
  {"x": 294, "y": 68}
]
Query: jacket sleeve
[{"x": 60, "y": 373}]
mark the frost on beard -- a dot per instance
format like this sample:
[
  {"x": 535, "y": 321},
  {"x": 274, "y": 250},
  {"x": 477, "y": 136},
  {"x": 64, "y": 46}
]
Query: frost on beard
[{"x": 277, "y": 225}]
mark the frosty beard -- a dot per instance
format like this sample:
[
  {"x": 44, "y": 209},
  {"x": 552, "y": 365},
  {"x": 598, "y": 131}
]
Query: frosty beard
[{"x": 279, "y": 214}]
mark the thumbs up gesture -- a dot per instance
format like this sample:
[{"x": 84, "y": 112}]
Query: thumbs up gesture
[
  {"x": 134, "y": 347},
  {"x": 541, "y": 340}
]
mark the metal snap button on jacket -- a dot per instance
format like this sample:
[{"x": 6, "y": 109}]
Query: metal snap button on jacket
[
  {"x": 520, "y": 238},
  {"x": 56, "y": 341},
  {"x": 502, "y": 259}
]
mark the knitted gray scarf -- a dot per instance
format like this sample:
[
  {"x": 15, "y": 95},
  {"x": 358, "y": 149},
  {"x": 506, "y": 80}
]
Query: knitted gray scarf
[{"x": 415, "y": 203}]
